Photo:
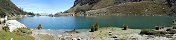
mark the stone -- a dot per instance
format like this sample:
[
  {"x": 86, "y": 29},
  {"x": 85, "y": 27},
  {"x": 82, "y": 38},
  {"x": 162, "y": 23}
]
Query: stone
[
  {"x": 168, "y": 29},
  {"x": 2, "y": 20},
  {"x": 110, "y": 33},
  {"x": 62, "y": 39},
  {"x": 172, "y": 31},
  {"x": 162, "y": 27},
  {"x": 14, "y": 24},
  {"x": 157, "y": 28},
  {"x": 72, "y": 31},
  {"x": 173, "y": 26}
]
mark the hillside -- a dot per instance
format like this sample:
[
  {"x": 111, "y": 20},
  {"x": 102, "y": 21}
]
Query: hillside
[
  {"x": 123, "y": 7},
  {"x": 10, "y": 9}
]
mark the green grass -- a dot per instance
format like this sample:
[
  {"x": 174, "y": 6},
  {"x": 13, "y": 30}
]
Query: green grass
[
  {"x": 22, "y": 34},
  {"x": 148, "y": 32},
  {"x": 141, "y": 8},
  {"x": 152, "y": 32}
]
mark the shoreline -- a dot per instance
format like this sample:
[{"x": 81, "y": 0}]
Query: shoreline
[
  {"x": 84, "y": 34},
  {"x": 115, "y": 15},
  {"x": 101, "y": 34}
]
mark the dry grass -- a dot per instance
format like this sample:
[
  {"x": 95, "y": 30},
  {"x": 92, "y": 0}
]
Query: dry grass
[{"x": 15, "y": 36}]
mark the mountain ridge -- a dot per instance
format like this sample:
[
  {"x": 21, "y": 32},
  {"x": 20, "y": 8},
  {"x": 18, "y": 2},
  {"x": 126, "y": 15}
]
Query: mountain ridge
[
  {"x": 127, "y": 7},
  {"x": 8, "y": 8}
]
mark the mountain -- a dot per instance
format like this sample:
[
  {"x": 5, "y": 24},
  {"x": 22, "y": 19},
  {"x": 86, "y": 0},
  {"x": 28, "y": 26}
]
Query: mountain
[
  {"x": 123, "y": 7},
  {"x": 172, "y": 5},
  {"x": 9, "y": 9}
]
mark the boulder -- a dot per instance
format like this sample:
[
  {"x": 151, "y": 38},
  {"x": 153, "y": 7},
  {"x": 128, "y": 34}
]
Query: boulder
[
  {"x": 157, "y": 28},
  {"x": 14, "y": 24},
  {"x": 2, "y": 20},
  {"x": 172, "y": 31}
]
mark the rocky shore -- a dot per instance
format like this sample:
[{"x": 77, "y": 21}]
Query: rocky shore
[{"x": 107, "y": 33}]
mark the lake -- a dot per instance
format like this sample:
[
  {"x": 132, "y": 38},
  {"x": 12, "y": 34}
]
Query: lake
[{"x": 82, "y": 22}]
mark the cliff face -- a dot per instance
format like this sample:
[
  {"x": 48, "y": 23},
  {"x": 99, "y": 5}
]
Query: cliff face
[
  {"x": 125, "y": 7},
  {"x": 172, "y": 4},
  {"x": 9, "y": 9},
  {"x": 85, "y": 5}
]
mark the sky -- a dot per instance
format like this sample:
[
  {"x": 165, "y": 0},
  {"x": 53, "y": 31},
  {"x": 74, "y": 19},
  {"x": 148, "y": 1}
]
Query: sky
[{"x": 44, "y": 6}]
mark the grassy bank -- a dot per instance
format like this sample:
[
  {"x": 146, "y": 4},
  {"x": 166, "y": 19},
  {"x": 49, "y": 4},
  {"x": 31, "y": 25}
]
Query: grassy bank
[{"x": 20, "y": 34}]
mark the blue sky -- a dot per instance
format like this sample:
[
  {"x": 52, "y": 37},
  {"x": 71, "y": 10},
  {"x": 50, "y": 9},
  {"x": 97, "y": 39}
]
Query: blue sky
[{"x": 44, "y": 6}]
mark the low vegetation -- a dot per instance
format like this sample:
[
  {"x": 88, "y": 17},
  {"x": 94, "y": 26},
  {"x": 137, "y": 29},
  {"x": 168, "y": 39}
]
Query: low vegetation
[
  {"x": 153, "y": 32},
  {"x": 22, "y": 31},
  {"x": 18, "y": 34},
  {"x": 124, "y": 7},
  {"x": 95, "y": 27},
  {"x": 149, "y": 32},
  {"x": 5, "y": 28},
  {"x": 39, "y": 27}
]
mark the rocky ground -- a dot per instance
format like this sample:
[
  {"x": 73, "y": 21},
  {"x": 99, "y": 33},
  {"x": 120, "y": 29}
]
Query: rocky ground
[{"x": 109, "y": 33}]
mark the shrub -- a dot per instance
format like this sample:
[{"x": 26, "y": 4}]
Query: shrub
[
  {"x": 95, "y": 27},
  {"x": 22, "y": 31},
  {"x": 149, "y": 32},
  {"x": 39, "y": 27},
  {"x": 8, "y": 35},
  {"x": 6, "y": 28},
  {"x": 125, "y": 27}
]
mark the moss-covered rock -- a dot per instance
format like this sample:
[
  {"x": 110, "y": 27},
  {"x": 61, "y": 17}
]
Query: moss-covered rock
[
  {"x": 149, "y": 32},
  {"x": 153, "y": 32}
]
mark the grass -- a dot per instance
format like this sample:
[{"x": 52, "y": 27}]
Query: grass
[
  {"x": 20, "y": 34},
  {"x": 152, "y": 32},
  {"x": 141, "y": 8},
  {"x": 148, "y": 32},
  {"x": 147, "y": 7}
]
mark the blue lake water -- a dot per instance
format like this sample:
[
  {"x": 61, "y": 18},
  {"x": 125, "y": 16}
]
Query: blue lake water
[{"x": 82, "y": 22}]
